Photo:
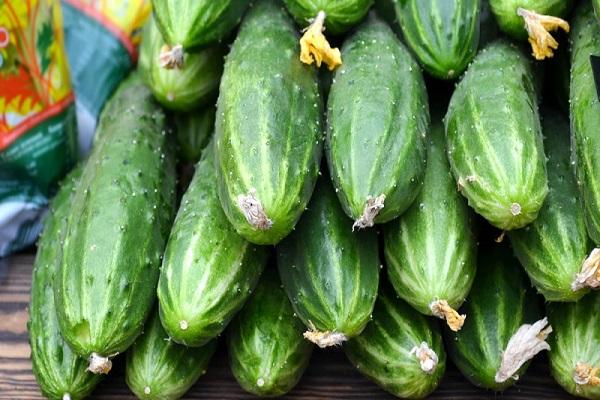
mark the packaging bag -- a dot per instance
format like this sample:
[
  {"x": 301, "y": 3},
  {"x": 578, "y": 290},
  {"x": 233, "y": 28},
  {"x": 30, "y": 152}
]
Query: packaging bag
[
  {"x": 101, "y": 38},
  {"x": 38, "y": 138}
]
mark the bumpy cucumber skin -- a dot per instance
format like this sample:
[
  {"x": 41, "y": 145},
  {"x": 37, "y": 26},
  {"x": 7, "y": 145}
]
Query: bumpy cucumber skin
[
  {"x": 442, "y": 34},
  {"x": 330, "y": 273},
  {"x": 552, "y": 248},
  {"x": 209, "y": 271},
  {"x": 269, "y": 124},
  {"x": 57, "y": 369},
  {"x": 192, "y": 23},
  {"x": 382, "y": 351},
  {"x": 117, "y": 228},
  {"x": 494, "y": 138},
  {"x": 500, "y": 301},
  {"x": 267, "y": 352},
  {"x": 377, "y": 127},
  {"x": 159, "y": 369},
  {"x": 512, "y": 24},
  {"x": 575, "y": 338},
  {"x": 585, "y": 114},
  {"x": 341, "y": 15},
  {"x": 194, "y": 130},
  {"x": 431, "y": 250},
  {"x": 180, "y": 89}
]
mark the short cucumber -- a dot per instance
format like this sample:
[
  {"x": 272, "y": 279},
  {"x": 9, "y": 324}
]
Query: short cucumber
[
  {"x": 60, "y": 373},
  {"x": 431, "y": 249},
  {"x": 341, "y": 15},
  {"x": 552, "y": 248},
  {"x": 267, "y": 352},
  {"x": 376, "y": 127},
  {"x": 159, "y": 369},
  {"x": 117, "y": 228},
  {"x": 330, "y": 273},
  {"x": 585, "y": 115},
  {"x": 494, "y": 138},
  {"x": 208, "y": 270},
  {"x": 181, "y": 89},
  {"x": 400, "y": 349},
  {"x": 500, "y": 302},
  {"x": 443, "y": 35},
  {"x": 268, "y": 129},
  {"x": 575, "y": 343}
]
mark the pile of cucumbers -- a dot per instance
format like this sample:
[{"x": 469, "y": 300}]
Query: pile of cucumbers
[{"x": 426, "y": 199}]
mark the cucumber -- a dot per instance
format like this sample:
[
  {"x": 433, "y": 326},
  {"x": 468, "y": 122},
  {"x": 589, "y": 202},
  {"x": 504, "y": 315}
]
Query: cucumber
[
  {"x": 194, "y": 130},
  {"x": 208, "y": 270},
  {"x": 553, "y": 247},
  {"x": 268, "y": 128},
  {"x": 267, "y": 353},
  {"x": 187, "y": 24},
  {"x": 60, "y": 373},
  {"x": 500, "y": 307},
  {"x": 442, "y": 34},
  {"x": 117, "y": 228},
  {"x": 159, "y": 369},
  {"x": 585, "y": 115},
  {"x": 341, "y": 15},
  {"x": 575, "y": 343},
  {"x": 400, "y": 349},
  {"x": 329, "y": 273},
  {"x": 180, "y": 89},
  {"x": 596, "y": 4},
  {"x": 494, "y": 138},
  {"x": 375, "y": 142},
  {"x": 533, "y": 20},
  {"x": 431, "y": 249}
]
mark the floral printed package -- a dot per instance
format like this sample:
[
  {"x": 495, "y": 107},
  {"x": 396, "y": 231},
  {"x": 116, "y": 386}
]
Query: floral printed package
[{"x": 38, "y": 138}]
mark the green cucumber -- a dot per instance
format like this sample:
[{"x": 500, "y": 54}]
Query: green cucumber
[
  {"x": 159, "y": 369},
  {"x": 376, "y": 127},
  {"x": 431, "y": 250},
  {"x": 268, "y": 129},
  {"x": 494, "y": 138},
  {"x": 596, "y": 4},
  {"x": 400, "y": 349},
  {"x": 60, "y": 373},
  {"x": 117, "y": 229},
  {"x": 208, "y": 270},
  {"x": 329, "y": 273},
  {"x": 341, "y": 15},
  {"x": 500, "y": 302},
  {"x": 181, "y": 89},
  {"x": 192, "y": 23},
  {"x": 443, "y": 35},
  {"x": 585, "y": 115},
  {"x": 512, "y": 23},
  {"x": 575, "y": 343},
  {"x": 553, "y": 247},
  {"x": 266, "y": 350},
  {"x": 194, "y": 130}
]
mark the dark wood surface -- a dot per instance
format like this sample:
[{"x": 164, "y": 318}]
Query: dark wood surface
[{"x": 329, "y": 375}]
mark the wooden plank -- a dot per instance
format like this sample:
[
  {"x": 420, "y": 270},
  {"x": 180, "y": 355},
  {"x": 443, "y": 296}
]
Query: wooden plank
[{"x": 329, "y": 375}]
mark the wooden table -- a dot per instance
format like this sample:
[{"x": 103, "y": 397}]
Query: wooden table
[{"x": 329, "y": 375}]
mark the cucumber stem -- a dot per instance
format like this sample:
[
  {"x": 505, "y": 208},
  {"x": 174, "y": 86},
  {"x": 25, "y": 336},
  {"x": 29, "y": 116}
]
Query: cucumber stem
[
  {"x": 171, "y": 57},
  {"x": 370, "y": 212},
  {"x": 314, "y": 47},
  {"x": 324, "y": 339},
  {"x": 427, "y": 357},
  {"x": 586, "y": 375},
  {"x": 441, "y": 309},
  {"x": 99, "y": 364},
  {"x": 590, "y": 272},
  {"x": 66, "y": 396},
  {"x": 253, "y": 211},
  {"x": 522, "y": 347},
  {"x": 538, "y": 28}
]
